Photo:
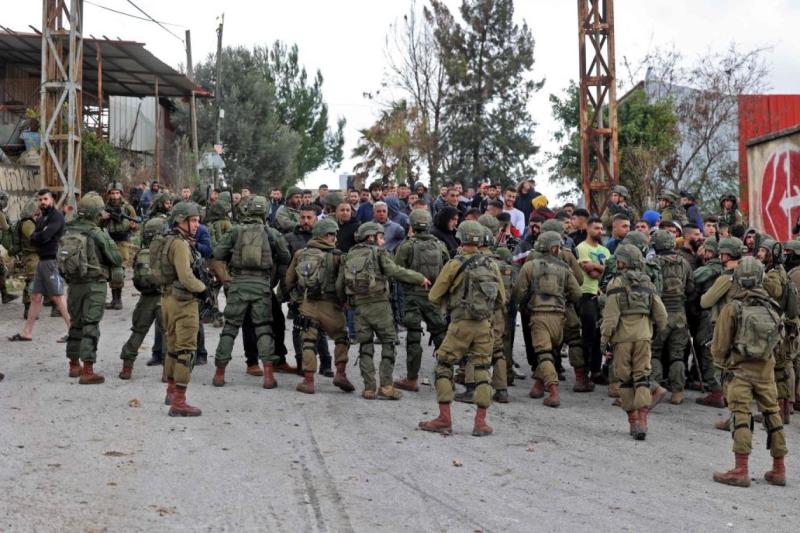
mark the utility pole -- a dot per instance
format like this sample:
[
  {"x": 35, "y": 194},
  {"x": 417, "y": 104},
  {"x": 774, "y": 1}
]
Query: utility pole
[
  {"x": 158, "y": 134},
  {"x": 192, "y": 103},
  {"x": 218, "y": 93}
]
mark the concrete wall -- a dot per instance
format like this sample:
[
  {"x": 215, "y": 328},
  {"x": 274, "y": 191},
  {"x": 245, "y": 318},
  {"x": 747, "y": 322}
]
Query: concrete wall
[
  {"x": 21, "y": 184},
  {"x": 773, "y": 181}
]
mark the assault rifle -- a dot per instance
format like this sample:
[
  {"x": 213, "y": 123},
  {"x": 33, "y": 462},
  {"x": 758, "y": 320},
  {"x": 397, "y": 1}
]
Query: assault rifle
[
  {"x": 118, "y": 216},
  {"x": 207, "y": 298}
]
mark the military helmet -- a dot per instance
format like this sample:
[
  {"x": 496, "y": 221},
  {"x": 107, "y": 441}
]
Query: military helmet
[
  {"x": 333, "y": 199},
  {"x": 420, "y": 220},
  {"x": 29, "y": 208},
  {"x": 668, "y": 195},
  {"x": 488, "y": 236},
  {"x": 663, "y": 240},
  {"x": 731, "y": 246},
  {"x": 159, "y": 201},
  {"x": 792, "y": 246},
  {"x": 711, "y": 245},
  {"x": 637, "y": 239},
  {"x": 749, "y": 273},
  {"x": 553, "y": 225},
  {"x": 115, "y": 186},
  {"x": 546, "y": 241},
  {"x": 470, "y": 232},
  {"x": 292, "y": 191},
  {"x": 324, "y": 227},
  {"x": 368, "y": 229},
  {"x": 621, "y": 190},
  {"x": 629, "y": 255},
  {"x": 3, "y": 200},
  {"x": 91, "y": 205},
  {"x": 183, "y": 210},
  {"x": 254, "y": 206},
  {"x": 490, "y": 222}
]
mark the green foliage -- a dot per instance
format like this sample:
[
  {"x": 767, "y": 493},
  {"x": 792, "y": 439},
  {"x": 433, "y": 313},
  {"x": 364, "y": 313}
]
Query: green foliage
[
  {"x": 389, "y": 149},
  {"x": 565, "y": 164},
  {"x": 100, "y": 163}
]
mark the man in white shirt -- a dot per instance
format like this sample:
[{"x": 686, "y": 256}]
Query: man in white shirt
[{"x": 517, "y": 217}]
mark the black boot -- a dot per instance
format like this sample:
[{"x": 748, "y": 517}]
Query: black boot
[
  {"x": 116, "y": 300},
  {"x": 468, "y": 396}
]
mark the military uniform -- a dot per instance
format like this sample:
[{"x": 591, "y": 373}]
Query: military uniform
[
  {"x": 287, "y": 217},
  {"x": 423, "y": 253},
  {"x": 5, "y": 227},
  {"x": 672, "y": 212},
  {"x": 742, "y": 347},
  {"x": 86, "y": 293},
  {"x": 367, "y": 288},
  {"x": 546, "y": 287},
  {"x": 792, "y": 250},
  {"x": 120, "y": 229},
  {"x": 312, "y": 277},
  {"x": 704, "y": 278},
  {"x": 27, "y": 259},
  {"x": 627, "y": 326},
  {"x": 612, "y": 209},
  {"x": 252, "y": 253},
  {"x": 731, "y": 216}
]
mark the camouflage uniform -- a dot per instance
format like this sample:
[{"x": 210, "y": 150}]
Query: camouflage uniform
[
  {"x": 704, "y": 278},
  {"x": 120, "y": 231}
]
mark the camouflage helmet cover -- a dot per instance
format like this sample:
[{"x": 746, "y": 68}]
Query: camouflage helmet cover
[
  {"x": 749, "y": 273},
  {"x": 663, "y": 240},
  {"x": 368, "y": 229},
  {"x": 324, "y": 227},
  {"x": 547, "y": 240},
  {"x": 420, "y": 220}
]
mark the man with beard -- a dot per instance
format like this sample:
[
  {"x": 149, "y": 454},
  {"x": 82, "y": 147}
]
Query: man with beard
[
  {"x": 692, "y": 241},
  {"x": 120, "y": 227},
  {"x": 287, "y": 217}
]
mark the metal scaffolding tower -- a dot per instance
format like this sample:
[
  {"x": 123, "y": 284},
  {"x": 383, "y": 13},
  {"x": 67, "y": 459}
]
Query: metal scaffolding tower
[
  {"x": 61, "y": 96},
  {"x": 598, "y": 101}
]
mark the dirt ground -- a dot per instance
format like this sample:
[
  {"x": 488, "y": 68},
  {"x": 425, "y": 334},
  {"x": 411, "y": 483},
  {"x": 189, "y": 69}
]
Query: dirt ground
[{"x": 81, "y": 458}]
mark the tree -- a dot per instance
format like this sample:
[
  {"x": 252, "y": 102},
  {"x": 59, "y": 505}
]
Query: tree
[
  {"x": 100, "y": 162},
  {"x": 388, "y": 149},
  {"x": 488, "y": 59}
]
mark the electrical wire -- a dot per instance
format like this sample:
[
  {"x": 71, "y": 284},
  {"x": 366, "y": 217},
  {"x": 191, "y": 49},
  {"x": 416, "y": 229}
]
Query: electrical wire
[
  {"x": 137, "y": 17},
  {"x": 154, "y": 20}
]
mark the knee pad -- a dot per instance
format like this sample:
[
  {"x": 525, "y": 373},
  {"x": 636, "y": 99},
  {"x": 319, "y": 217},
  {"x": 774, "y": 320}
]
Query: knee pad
[
  {"x": 770, "y": 426},
  {"x": 743, "y": 421}
]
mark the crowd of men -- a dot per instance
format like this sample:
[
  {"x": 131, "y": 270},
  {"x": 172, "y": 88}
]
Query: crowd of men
[{"x": 645, "y": 305}]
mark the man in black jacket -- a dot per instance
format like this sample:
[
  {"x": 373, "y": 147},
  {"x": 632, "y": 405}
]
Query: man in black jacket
[{"x": 50, "y": 226}]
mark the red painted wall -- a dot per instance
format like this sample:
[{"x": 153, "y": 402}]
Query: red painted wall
[{"x": 760, "y": 115}]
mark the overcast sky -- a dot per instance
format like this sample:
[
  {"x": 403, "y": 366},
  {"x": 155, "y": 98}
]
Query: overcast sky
[{"x": 345, "y": 40}]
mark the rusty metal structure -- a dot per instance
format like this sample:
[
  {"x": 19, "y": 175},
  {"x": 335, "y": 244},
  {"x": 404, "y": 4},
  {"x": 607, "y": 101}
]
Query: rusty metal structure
[
  {"x": 598, "y": 101},
  {"x": 62, "y": 96}
]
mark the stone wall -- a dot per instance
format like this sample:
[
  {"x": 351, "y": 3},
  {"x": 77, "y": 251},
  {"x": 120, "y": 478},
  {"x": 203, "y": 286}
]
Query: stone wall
[{"x": 21, "y": 184}]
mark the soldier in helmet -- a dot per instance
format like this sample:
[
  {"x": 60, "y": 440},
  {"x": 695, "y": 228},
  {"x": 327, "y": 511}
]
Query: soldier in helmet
[
  {"x": 120, "y": 227},
  {"x": 704, "y": 278},
  {"x": 791, "y": 250},
  {"x": 669, "y": 208},
  {"x": 627, "y": 328},
  {"x": 729, "y": 213},
  {"x": 253, "y": 255},
  {"x": 669, "y": 346},
  {"x": 364, "y": 276},
  {"x": 287, "y": 217},
  {"x": 5, "y": 227},
  {"x": 86, "y": 255},
  {"x": 472, "y": 287},
  {"x": 27, "y": 258},
  {"x": 546, "y": 286},
  {"x": 780, "y": 288},
  {"x": 311, "y": 278},
  {"x": 746, "y": 333},
  {"x": 618, "y": 205},
  {"x": 423, "y": 253}
]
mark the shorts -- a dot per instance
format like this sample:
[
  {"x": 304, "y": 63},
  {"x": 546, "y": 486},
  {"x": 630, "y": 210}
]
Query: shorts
[{"x": 47, "y": 280}]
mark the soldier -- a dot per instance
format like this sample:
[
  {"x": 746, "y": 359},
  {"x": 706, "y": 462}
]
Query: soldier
[
  {"x": 172, "y": 257},
  {"x": 544, "y": 286},
  {"x": 792, "y": 264},
  {"x": 627, "y": 328},
  {"x": 780, "y": 288},
  {"x": 86, "y": 254},
  {"x": 423, "y": 253},
  {"x": 618, "y": 205},
  {"x": 670, "y": 210},
  {"x": 5, "y": 228},
  {"x": 148, "y": 307},
  {"x": 704, "y": 278},
  {"x": 745, "y": 336},
  {"x": 729, "y": 211},
  {"x": 120, "y": 226},
  {"x": 472, "y": 285},
  {"x": 218, "y": 222},
  {"x": 312, "y": 277},
  {"x": 365, "y": 274},
  {"x": 671, "y": 343},
  {"x": 288, "y": 215},
  {"x": 252, "y": 253}
]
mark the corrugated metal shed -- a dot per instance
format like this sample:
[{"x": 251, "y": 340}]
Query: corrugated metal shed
[
  {"x": 131, "y": 123},
  {"x": 760, "y": 115}
]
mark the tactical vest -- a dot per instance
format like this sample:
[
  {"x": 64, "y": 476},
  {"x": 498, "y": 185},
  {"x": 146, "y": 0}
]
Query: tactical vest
[
  {"x": 506, "y": 272},
  {"x": 675, "y": 274},
  {"x": 78, "y": 257},
  {"x": 252, "y": 253},
  {"x": 635, "y": 293},
  {"x": 217, "y": 230},
  {"x": 475, "y": 297},
  {"x": 119, "y": 230},
  {"x": 14, "y": 242},
  {"x": 548, "y": 285},
  {"x": 788, "y": 297},
  {"x": 706, "y": 275},
  {"x": 363, "y": 275},
  {"x": 426, "y": 256},
  {"x": 315, "y": 269},
  {"x": 758, "y": 328},
  {"x": 161, "y": 269}
]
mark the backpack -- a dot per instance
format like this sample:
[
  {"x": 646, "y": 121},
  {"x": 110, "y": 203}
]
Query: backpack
[
  {"x": 479, "y": 289},
  {"x": 161, "y": 270},
  {"x": 789, "y": 303},
  {"x": 154, "y": 226},
  {"x": 426, "y": 257},
  {"x": 11, "y": 239},
  {"x": 673, "y": 278},
  {"x": 313, "y": 272},
  {"x": 636, "y": 294},
  {"x": 758, "y": 331},
  {"x": 142, "y": 273},
  {"x": 252, "y": 250},
  {"x": 362, "y": 271},
  {"x": 77, "y": 255}
]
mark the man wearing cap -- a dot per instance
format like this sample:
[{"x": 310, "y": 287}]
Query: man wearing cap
[
  {"x": 688, "y": 201},
  {"x": 617, "y": 205},
  {"x": 120, "y": 227},
  {"x": 288, "y": 215},
  {"x": 669, "y": 210}
]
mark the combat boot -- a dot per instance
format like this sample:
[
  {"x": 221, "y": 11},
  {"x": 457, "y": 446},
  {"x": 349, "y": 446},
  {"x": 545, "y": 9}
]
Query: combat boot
[
  {"x": 389, "y": 393},
  {"x": 7, "y": 297},
  {"x": 738, "y": 476},
  {"x": 552, "y": 400},
  {"x": 642, "y": 433},
  {"x": 500, "y": 396},
  {"x": 407, "y": 384},
  {"x": 713, "y": 399},
  {"x": 285, "y": 368},
  {"x": 254, "y": 370},
  {"x": 179, "y": 407},
  {"x": 116, "y": 300},
  {"x": 657, "y": 396},
  {"x": 468, "y": 396},
  {"x": 170, "y": 392},
  {"x": 368, "y": 394},
  {"x": 340, "y": 379},
  {"x": 88, "y": 377},
  {"x": 219, "y": 377},
  {"x": 633, "y": 422},
  {"x": 481, "y": 428},
  {"x": 307, "y": 385},
  {"x": 155, "y": 361},
  {"x": 74, "y": 367},
  {"x": 537, "y": 390},
  {"x": 723, "y": 425},
  {"x": 676, "y": 398},
  {"x": 776, "y": 476},
  {"x": 269, "y": 376},
  {"x": 613, "y": 390},
  {"x": 582, "y": 383},
  {"x": 127, "y": 370},
  {"x": 441, "y": 424}
]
